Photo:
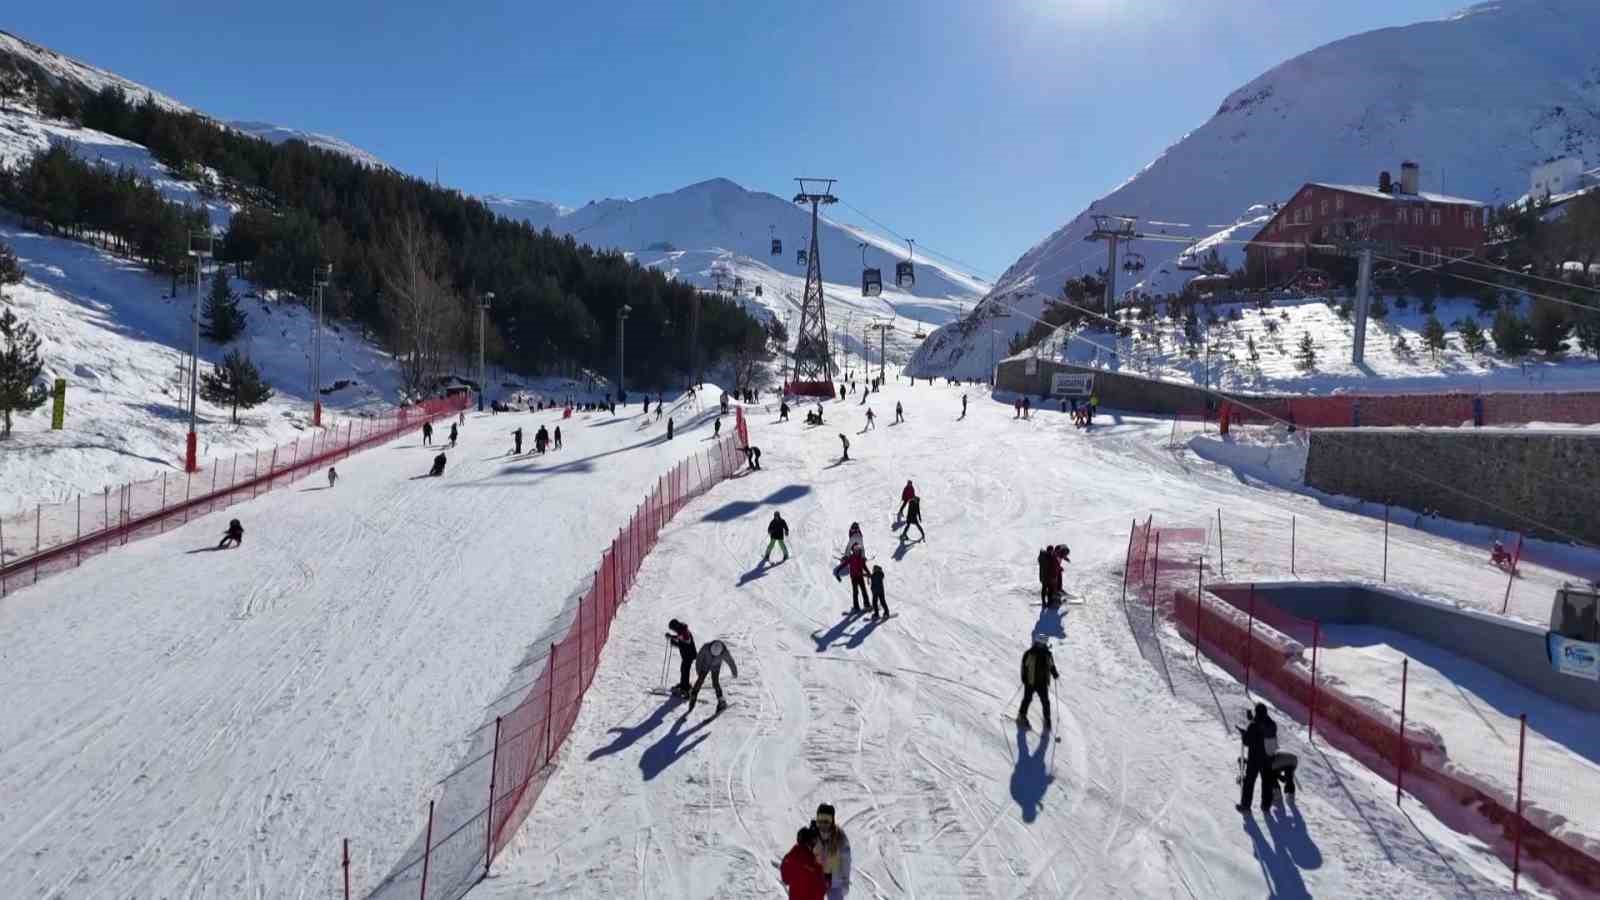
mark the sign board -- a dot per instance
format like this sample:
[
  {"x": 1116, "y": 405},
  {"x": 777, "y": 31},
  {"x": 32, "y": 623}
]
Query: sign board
[
  {"x": 58, "y": 405},
  {"x": 1571, "y": 657},
  {"x": 1031, "y": 367},
  {"x": 1071, "y": 384}
]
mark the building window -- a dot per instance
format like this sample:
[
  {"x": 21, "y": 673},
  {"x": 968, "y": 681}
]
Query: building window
[
  {"x": 1434, "y": 217},
  {"x": 1338, "y": 202},
  {"x": 1324, "y": 208},
  {"x": 1438, "y": 256}
]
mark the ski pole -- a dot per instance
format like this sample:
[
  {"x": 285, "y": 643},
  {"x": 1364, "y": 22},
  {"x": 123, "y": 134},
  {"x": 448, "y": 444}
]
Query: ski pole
[{"x": 666, "y": 654}]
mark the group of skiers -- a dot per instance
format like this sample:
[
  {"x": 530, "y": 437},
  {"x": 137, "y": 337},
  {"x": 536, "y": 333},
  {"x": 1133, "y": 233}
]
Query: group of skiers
[
  {"x": 1051, "y": 562},
  {"x": 427, "y": 434},
  {"x": 818, "y": 865},
  {"x": 854, "y": 561},
  {"x": 543, "y": 440},
  {"x": 707, "y": 660},
  {"x": 1263, "y": 760}
]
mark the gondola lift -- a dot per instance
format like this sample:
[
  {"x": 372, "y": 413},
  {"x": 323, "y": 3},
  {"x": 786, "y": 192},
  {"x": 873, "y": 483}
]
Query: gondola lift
[
  {"x": 905, "y": 274},
  {"x": 777, "y": 245},
  {"x": 800, "y": 256},
  {"x": 1133, "y": 262},
  {"x": 871, "y": 279}
]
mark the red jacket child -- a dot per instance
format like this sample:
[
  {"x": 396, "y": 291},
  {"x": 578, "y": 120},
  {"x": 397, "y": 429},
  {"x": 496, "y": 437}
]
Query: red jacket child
[{"x": 801, "y": 871}]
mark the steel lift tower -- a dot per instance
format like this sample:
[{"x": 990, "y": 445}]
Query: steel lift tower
[{"x": 813, "y": 365}]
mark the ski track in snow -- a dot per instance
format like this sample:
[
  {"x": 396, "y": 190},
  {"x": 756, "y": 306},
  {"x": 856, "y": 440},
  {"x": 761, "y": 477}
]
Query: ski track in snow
[{"x": 902, "y": 724}]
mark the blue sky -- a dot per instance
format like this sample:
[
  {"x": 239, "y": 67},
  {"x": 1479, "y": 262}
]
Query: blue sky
[{"x": 975, "y": 126}]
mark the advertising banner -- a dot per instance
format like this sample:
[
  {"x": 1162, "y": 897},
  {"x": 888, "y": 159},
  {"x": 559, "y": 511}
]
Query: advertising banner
[
  {"x": 1572, "y": 657},
  {"x": 1067, "y": 384}
]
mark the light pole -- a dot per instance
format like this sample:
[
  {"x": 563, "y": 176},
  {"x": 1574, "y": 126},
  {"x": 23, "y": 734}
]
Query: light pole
[
  {"x": 622, "y": 324},
  {"x": 200, "y": 243},
  {"x": 483, "y": 371},
  {"x": 320, "y": 277}
]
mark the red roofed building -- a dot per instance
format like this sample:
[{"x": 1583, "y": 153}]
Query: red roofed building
[{"x": 1406, "y": 223}]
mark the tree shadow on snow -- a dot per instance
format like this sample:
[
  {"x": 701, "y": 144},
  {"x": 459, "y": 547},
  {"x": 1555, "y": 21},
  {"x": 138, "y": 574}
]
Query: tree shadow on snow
[
  {"x": 1030, "y": 779},
  {"x": 627, "y": 736},
  {"x": 672, "y": 747},
  {"x": 1278, "y": 865}
]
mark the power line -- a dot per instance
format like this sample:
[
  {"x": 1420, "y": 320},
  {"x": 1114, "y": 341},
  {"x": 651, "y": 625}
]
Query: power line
[
  {"x": 930, "y": 250},
  {"x": 1493, "y": 284}
]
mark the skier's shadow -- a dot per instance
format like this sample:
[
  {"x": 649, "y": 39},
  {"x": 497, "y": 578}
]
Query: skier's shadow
[
  {"x": 1278, "y": 864},
  {"x": 627, "y": 736},
  {"x": 204, "y": 550},
  {"x": 904, "y": 548},
  {"x": 1030, "y": 779},
  {"x": 671, "y": 747},
  {"x": 826, "y": 639},
  {"x": 861, "y": 634},
  {"x": 1049, "y": 624},
  {"x": 760, "y": 571}
]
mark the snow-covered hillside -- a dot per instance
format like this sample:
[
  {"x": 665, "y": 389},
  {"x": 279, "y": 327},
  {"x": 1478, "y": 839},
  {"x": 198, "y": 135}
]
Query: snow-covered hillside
[
  {"x": 277, "y": 134},
  {"x": 717, "y": 228},
  {"x": 1477, "y": 99},
  {"x": 61, "y": 68}
]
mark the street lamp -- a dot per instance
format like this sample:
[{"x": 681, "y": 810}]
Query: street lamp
[
  {"x": 200, "y": 245},
  {"x": 622, "y": 319},
  {"x": 320, "y": 276},
  {"x": 483, "y": 371}
]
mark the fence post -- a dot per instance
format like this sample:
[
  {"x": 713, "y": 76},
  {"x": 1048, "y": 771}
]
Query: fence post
[
  {"x": 1155, "y": 572},
  {"x": 188, "y": 481},
  {"x": 255, "y": 472},
  {"x": 79, "y": 541},
  {"x": 1400, "y": 762},
  {"x": 105, "y": 521},
  {"x": 3, "y": 550},
  {"x": 488, "y": 828},
  {"x": 1291, "y": 544},
  {"x": 1249, "y": 637},
  {"x": 1199, "y": 599},
  {"x": 272, "y": 468},
  {"x": 1516, "y": 852},
  {"x": 1386, "y": 542},
  {"x": 233, "y": 477},
  {"x": 594, "y": 591},
  {"x": 346, "y": 866},
  {"x": 124, "y": 512},
  {"x": 1127, "y": 561},
  {"x": 1316, "y": 638},
  {"x": 550, "y": 709},
  {"x": 1222, "y": 562},
  {"x": 163, "y": 503},
  {"x": 427, "y": 851},
  {"x": 38, "y": 518},
  {"x": 1511, "y": 576}
]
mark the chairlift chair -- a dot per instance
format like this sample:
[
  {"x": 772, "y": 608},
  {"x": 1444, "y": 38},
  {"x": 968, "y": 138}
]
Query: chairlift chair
[
  {"x": 758, "y": 290},
  {"x": 1133, "y": 262},
  {"x": 777, "y": 245},
  {"x": 905, "y": 274},
  {"x": 871, "y": 279},
  {"x": 800, "y": 257},
  {"x": 919, "y": 334}
]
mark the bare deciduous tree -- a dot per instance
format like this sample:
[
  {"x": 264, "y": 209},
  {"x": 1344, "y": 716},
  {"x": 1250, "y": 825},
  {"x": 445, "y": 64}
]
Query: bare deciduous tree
[{"x": 418, "y": 305}]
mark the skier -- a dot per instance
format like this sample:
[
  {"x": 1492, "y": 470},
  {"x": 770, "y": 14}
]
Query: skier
[
  {"x": 1094, "y": 407},
  {"x": 540, "y": 439},
  {"x": 1027, "y": 407},
  {"x": 899, "y": 412},
  {"x": 777, "y": 533},
  {"x": 801, "y": 871},
  {"x": 669, "y": 428},
  {"x": 1017, "y": 405},
  {"x": 856, "y": 562},
  {"x": 516, "y": 442},
  {"x": 853, "y": 542},
  {"x": 438, "y": 466},
  {"x": 333, "y": 475},
  {"x": 558, "y": 437},
  {"x": 658, "y": 407},
  {"x": 1260, "y": 740},
  {"x": 461, "y": 417},
  {"x": 783, "y": 410},
  {"x": 914, "y": 517},
  {"x": 846, "y": 442},
  {"x": 716, "y": 427},
  {"x": 1038, "y": 668},
  {"x": 1047, "y": 571},
  {"x": 709, "y": 662},
  {"x": 678, "y": 635},
  {"x": 452, "y": 436},
  {"x": 833, "y": 850},
  {"x": 752, "y": 457},
  {"x": 1059, "y": 557},
  {"x": 427, "y": 433},
  {"x": 235, "y": 533},
  {"x": 963, "y": 406},
  {"x": 870, "y": 418},
  {"x": 907, "y": 494},
  {"x": 819, "y": 412},
  {"x": 880, "y": 604}
]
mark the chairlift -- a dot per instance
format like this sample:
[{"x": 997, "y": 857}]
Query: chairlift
[
  {"x": 919, "y": 334},
  {"x": 777, "y": 245},
  {"x": 1133, "y": 262},
  {"x": 871, "y": 279},
  {"x": 1188, "y": 260},
  {"x": 800, "y": 257},
  {"x": 904, "y": 274},
  {"x": 758, "y": 290}
]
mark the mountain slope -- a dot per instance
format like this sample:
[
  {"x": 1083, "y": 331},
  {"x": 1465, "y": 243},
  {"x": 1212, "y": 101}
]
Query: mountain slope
[
  {"x": 1477, "y": 99},
  {"x": 277, "y": 134}
]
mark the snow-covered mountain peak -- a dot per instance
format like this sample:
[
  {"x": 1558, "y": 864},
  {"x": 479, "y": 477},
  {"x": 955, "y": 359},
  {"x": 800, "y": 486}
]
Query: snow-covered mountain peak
[{"x": 277, "y": 134}]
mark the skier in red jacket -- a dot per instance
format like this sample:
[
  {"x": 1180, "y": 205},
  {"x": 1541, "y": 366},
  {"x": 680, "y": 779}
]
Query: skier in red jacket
[
  {"x": 800, "y": 869},
  {"x": 860, "y": 598},
  {"x": 906, "y": 493}
]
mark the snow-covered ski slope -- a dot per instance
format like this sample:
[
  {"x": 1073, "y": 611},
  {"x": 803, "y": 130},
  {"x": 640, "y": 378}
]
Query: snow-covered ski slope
[
  {"x": 184, "y": 723},
  {"x": 904, "y": 725},
  {"x": 1478, "y": 99}
]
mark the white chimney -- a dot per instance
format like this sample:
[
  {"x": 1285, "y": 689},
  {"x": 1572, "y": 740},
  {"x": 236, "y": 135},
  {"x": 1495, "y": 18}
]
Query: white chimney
[{"x": 1410, "y": 175}]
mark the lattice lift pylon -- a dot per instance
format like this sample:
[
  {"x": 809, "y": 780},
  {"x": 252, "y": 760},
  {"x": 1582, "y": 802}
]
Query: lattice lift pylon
[{"x": 813, "y": 364}]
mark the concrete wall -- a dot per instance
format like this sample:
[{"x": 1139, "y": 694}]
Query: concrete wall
[
  {"x": 1547, "y": 476},
  {"x": 1514, "y": 649},
  {"x": 1116, "y": 390}
]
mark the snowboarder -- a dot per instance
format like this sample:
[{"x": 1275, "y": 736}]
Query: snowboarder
[
  {"x": 1038, "y": 669},
  {"x": 333, "y": 475},
  {"x": 783, "y": 410},
  {"x": 880, "y": 604},
  {"x": 752, "y": 457},
  {"x": 709, "y": 662},
  {"x": 907, "y": 494},
  {"x": 801, "y": 871},
  {"x": 716, "y": 427},
  {"x": 235, "y": 533},
  {"x": 452, "y": 436},
  {"x": 856, "y": 562},
  {"x": 870, "y": 418},
  {"x": 558, "y": 437},
  {"x": 678, "y": 635},
  {"x": 914, "y": 517},
  {"x": 846, "y": 442},
  {"x": 1260, "y": 739},
  {"x": 669, "y": 428},
  {"x": 427, "y": 433},
  {"x": 833, "y": 851},
  {"x": 438, "y": 466},
  {"x": 516, "y": 442},
  {"x": 899, "y": 412},
  {"x": 777, "y": 533}
]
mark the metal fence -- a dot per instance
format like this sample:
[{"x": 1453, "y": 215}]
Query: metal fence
[
  {"x": 54, "y": 537},
  {"x": 482, "y": 803},
  {"x": 1532, "y": 811}
]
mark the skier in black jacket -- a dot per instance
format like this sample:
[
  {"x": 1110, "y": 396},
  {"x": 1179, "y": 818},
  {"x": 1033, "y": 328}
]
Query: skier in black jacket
[
  {"x": 777, "y": 531},
  {"x": 1260, "y": 739},
  {"x": 678, "y": 634},
  {"x": 235, "y": 533},
  {"x": 914, "y": 517},
  {"x": 1038, "y": 668}
]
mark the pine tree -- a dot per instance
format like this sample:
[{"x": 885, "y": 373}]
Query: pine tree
[
  {"x": 1305, "y": 358},
  {"x": 1510, "y": 332},
  {"x": 236, "y": 383},
  {"x": 10, "y": 269},
  {"x": 1588, "y": 330},
  {"x": 221, "y": 319},
  {"x": 1471, "y": 335},
  {"x": 1549, "y": 326},
  {"x": 20, "y": 368},
  {"x": 1433, "y": 336},
  {"x": 1402, "y": 347}
]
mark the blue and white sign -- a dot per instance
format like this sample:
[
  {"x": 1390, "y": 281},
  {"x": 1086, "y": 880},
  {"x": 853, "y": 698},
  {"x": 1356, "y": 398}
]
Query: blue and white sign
[
  {"x": 1064, "y": 384},
  {"x": 1570, "y": 657}
]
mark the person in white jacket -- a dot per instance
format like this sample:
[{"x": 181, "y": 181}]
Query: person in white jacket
[
  {"x": 833, "y": 848},
  {"x": 709, "y": 662}
]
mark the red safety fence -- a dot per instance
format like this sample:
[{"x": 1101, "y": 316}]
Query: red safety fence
[
  {"x": 486, "y": 800},
  {"x": 1276, "y": 653},
  {"x": 54, "y": 537}
]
